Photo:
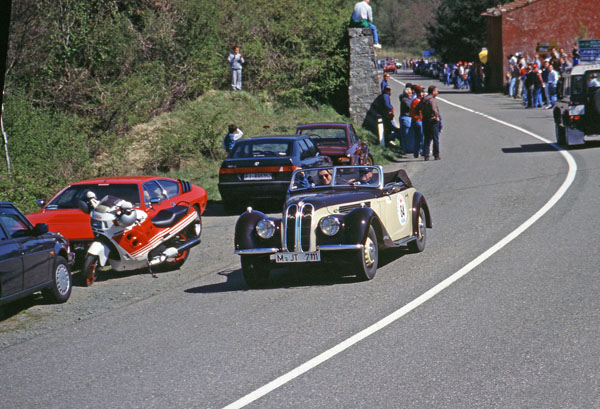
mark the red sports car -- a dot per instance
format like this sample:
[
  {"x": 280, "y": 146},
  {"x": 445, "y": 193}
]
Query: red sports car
[
  {"x": 339, "y": 142},
  {"x": 390, "y": 66},
  {"x": 149, "y": 193}
]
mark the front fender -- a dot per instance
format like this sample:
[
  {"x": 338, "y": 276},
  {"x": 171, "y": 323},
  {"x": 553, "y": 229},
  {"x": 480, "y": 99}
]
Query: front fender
[
  {"x": 419, "y": 202},
  {"x": 245, "y": 235},
  {"x": 101, "y": 250},
  {"x": 356, "y": 225}
]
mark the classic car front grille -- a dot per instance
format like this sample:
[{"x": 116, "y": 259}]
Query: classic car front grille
[
  {"x": 297, "y": 228},
  {"x": 349, "y": 208}
]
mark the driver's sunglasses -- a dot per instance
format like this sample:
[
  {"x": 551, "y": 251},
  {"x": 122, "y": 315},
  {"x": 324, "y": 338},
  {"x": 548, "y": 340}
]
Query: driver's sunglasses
[{"x": 324, "y": 176}]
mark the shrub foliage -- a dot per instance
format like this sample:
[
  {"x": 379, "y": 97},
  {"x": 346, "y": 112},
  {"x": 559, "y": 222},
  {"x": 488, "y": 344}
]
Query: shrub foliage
[{"x": 81, "y": 74}]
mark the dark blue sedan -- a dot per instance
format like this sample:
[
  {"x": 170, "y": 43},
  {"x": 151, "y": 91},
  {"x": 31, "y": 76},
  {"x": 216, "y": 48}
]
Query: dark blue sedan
[
  {"x": 261, "y": 168},
  {"x": 31, "y": 259}
]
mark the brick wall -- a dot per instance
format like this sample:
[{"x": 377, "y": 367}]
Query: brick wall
[{"x": 521, "y": 29}]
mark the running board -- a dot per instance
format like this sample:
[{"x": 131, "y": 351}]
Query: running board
[{"x": 404, "y": 241}]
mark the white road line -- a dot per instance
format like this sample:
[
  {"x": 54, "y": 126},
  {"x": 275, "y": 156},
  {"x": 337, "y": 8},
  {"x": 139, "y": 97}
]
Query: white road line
[{"x": 319, "y": 359}]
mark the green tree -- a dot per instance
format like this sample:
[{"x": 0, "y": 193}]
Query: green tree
[{"x": 458, "y": 31}]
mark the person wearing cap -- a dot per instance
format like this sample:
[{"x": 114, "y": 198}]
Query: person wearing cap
[
  {"x": 362, "y": 16},
  {"x": 365, "y": 177}
]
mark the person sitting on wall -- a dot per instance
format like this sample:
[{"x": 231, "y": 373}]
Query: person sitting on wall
[{"x": 362, "y": 17}]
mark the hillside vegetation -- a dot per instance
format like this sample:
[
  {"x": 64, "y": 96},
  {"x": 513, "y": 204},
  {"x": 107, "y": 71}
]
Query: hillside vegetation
[
  {"x": 99, "y": 88},
  {"x": 82, "y": 76}
]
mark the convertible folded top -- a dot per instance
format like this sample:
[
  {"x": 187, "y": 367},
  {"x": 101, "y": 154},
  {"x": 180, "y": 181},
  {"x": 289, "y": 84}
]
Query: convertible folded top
[{"x": 396, "y": 176}]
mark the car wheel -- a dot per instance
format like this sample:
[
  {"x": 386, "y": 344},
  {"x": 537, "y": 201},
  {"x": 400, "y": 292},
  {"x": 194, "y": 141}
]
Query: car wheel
[
  {"x": 255, "y": 270},
  {"x": 60, "y": 289},
  {"x": 418, "y": 245},
  {"x": 90, "y": 267},
  {"x": 368, "y": 257}
]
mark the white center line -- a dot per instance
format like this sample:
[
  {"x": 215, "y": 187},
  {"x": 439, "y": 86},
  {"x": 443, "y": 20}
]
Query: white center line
[{"x": 342, "y": 346}]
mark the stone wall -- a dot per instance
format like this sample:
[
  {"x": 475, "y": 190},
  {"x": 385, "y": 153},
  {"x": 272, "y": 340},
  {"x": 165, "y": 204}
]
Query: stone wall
[{"x": 364, "y": 82}]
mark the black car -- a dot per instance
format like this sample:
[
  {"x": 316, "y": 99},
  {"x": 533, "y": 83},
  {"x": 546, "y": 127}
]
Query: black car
[
  {"x": 261, "y": 168},
  {"x": 31, "y": 258}
]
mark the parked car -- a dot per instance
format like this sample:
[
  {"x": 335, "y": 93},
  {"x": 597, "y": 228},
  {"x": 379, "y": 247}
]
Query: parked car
[
  {"x": 390, "y": 66},
  {"x": 577, "y": 110},
  {"x": 261, "y": 168},
  {"x": 31, "y": 259},
  {"x": 339, "y": 142},
  {"x": 340, "y": 215},
  {"x": 148, "y": 193}
]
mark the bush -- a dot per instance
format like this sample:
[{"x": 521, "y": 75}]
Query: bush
[{"x": 47, "y": 150}]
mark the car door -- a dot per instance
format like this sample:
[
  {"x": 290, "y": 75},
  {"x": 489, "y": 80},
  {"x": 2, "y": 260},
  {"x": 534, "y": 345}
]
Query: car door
[
  {"x": 37, "y": 251},
  {"x": 397, "y": 214},
  {"x": 11, "y": 264}
]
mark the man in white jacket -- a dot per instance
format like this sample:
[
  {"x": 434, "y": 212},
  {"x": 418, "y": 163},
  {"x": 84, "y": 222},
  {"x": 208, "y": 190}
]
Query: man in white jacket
[{"x": 362, "y": 16}]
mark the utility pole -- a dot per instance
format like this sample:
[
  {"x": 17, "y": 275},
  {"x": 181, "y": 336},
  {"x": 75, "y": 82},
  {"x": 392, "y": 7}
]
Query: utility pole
[{"x": 5, "y": 8}]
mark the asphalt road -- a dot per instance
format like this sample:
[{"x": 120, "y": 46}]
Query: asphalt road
[{"x": 519, "y": 329}]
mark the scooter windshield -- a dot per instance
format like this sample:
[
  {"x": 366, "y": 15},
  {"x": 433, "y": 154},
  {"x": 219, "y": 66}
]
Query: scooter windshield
[{"x": 107, "y": 203}]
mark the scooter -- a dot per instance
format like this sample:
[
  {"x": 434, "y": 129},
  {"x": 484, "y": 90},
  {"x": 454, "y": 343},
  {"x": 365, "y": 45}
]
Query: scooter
[{"x": 127, "y": 239}]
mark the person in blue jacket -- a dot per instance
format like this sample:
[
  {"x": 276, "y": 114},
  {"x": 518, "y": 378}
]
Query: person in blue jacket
[{"x": 233, "y": 134}]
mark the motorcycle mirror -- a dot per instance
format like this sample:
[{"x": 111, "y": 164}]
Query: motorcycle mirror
[{"x": 84, "y": 207}]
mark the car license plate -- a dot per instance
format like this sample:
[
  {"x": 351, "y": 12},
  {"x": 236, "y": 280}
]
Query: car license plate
[
  {"x": 308, "y": 256},
  {"x": 258, "y": 176}
]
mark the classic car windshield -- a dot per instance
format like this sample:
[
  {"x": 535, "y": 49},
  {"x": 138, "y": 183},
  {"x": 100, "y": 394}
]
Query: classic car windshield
[
  {"x": 339, "y": 176},
  {"x": 326, "y": 136},
  {"x": 261, "y": 149},
  {"x": 70, "y": 198}
]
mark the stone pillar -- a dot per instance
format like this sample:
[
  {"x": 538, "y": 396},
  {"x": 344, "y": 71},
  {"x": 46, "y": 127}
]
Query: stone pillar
[{"x": 364, "y": 82}]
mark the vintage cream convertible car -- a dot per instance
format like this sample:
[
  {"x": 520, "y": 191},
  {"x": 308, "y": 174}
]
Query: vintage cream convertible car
[{"x": 341, "y": 214}]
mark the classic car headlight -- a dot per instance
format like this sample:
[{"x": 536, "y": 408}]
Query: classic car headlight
[
  {"x": 265, "y": 229},
  {"x": 330, "y": 225}
]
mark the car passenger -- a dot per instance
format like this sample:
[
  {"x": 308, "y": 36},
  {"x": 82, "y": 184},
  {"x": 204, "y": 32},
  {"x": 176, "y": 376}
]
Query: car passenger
[{"x": 324, "y": 177}]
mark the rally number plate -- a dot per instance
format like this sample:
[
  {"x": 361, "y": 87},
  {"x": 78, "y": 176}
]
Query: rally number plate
[{"x": 308, "y": 256}]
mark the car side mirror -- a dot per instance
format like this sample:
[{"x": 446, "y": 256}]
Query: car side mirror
[
  {"x": 40, "y": 203},
  {"x": 40, "y": 228},
  {"x": 84, "y": 207}
]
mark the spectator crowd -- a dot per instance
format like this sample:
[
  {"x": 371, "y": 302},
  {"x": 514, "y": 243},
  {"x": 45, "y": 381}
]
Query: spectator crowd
[{"x": 537, "y": 81}]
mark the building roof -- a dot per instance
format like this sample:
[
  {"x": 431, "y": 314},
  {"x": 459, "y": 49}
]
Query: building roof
[{"x": 501, "y": 9}]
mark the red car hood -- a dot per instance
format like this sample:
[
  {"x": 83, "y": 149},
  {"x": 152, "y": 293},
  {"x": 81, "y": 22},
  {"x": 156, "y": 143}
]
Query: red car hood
[{"x": 71, "y": 223}]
